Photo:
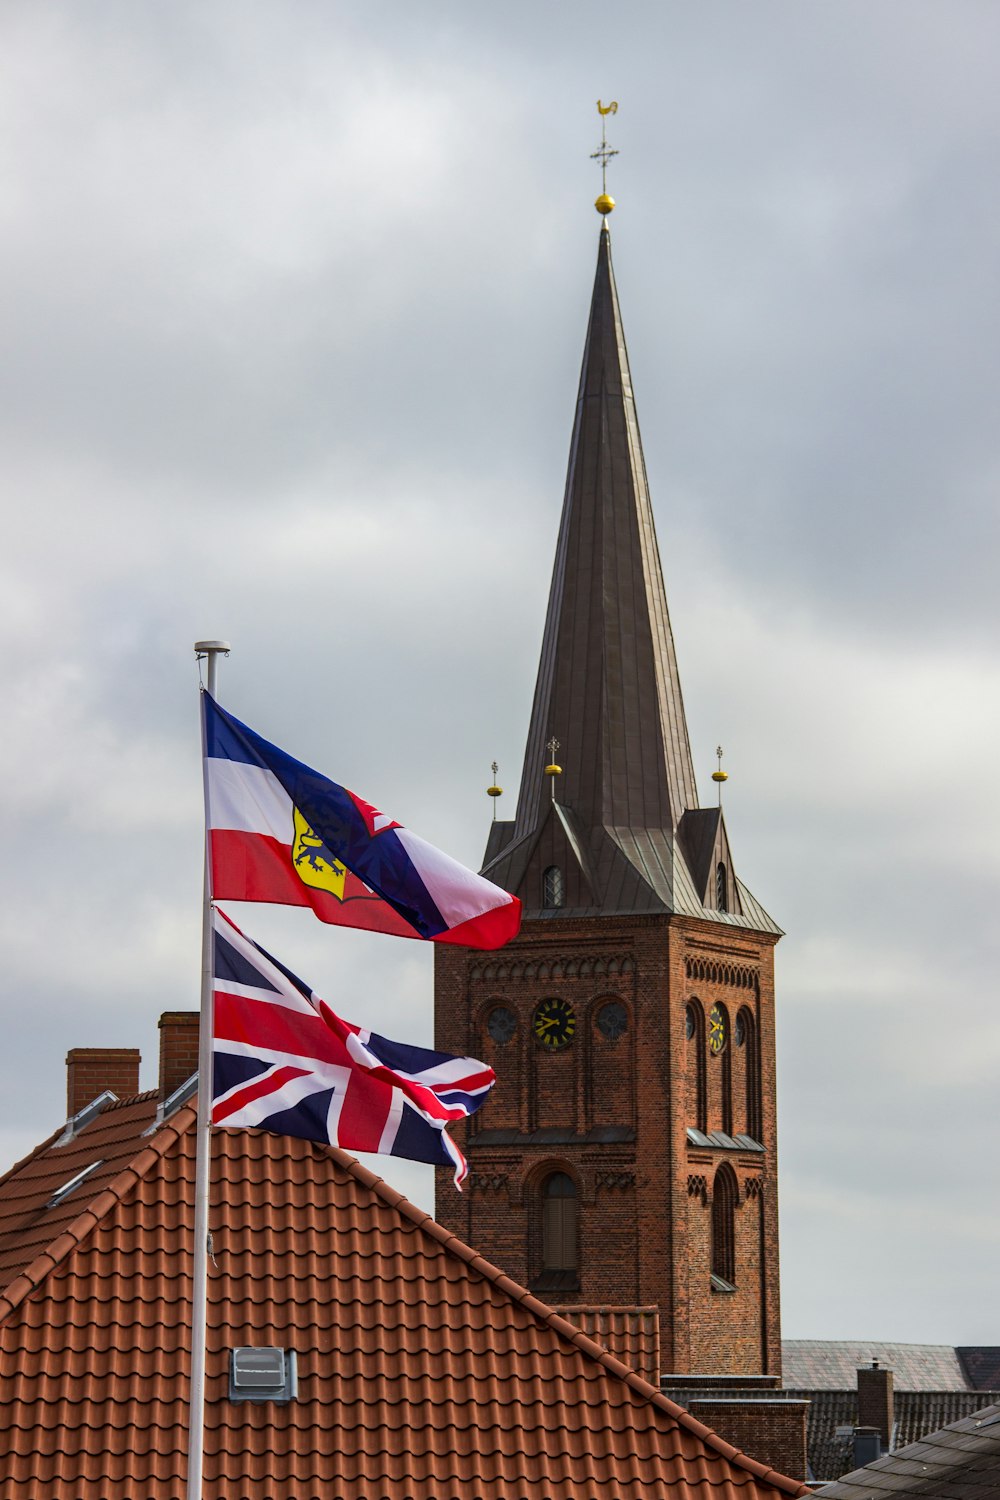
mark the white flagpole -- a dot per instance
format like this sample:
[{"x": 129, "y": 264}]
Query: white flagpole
[{"x": 203, "y": 1171}]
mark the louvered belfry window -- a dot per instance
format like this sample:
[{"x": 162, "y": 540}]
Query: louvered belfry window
[
  {"x": 724, "y": 1195},
  {"x": 559, "y": 1223}
]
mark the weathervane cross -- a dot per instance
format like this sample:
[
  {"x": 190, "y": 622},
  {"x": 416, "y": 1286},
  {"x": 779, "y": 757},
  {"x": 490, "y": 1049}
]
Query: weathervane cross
[{"x": 605, "y": 154}]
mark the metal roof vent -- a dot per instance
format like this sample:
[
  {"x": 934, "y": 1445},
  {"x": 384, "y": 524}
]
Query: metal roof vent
[
  {"x": 73, "y": 1183},
  {"x": 267, "y": 1374},
  {"x": 83, "y": 1116},
  {"x": 172, "y": 1103}
]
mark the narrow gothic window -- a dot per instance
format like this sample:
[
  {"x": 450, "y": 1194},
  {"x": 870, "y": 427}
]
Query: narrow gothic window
[
  {"x": 721, "y": 888},
  {"x": 752, "y": 1065},
  {"x": 559, "y": 1223},
  {"x": 694, "y": 1027},
  {"x": 724, "y": 1196},
  {"x": 727, "y": 1077},
  {"x": 552, "y": 887}
]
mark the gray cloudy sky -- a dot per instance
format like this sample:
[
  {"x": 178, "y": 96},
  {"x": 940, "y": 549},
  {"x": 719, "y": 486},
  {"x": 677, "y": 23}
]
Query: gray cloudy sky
[{"x": 293, "y": 300}]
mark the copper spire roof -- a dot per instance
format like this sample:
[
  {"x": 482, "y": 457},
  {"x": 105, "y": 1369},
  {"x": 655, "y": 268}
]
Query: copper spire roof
[
  {"x": 608, "y": 687},
  {"x": 424, "y": 1373}
]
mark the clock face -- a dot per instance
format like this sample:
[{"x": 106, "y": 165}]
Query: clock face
[
  {"x": 501, "y": 1025},
  {"x": 716, "y": 1028},
  {"x": 554, "y": 1023},
  {"x": 612, "y": 1020}
]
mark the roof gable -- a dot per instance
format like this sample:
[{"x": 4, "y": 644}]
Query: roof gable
[{"x": 423, "y": 1370}]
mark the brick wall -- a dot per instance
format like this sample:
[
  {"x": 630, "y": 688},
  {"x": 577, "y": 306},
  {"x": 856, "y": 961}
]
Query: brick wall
[
  {"x": 178, "y": 1049},
  {"x": 91, "y": 1070},
  {"x": 613, "y": 1114},
  {"x": 773, "y": 1432}
]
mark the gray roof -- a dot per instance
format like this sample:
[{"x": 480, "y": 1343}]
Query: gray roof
[
  {"x": 957, "y": 1462},
  {"x": 825, "y": 1364},
  {"x": 916, "y": 1413},
  {"x": 608, "y": 686}
]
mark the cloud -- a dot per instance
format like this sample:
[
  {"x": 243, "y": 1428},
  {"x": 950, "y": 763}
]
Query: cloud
[{"x": 293, "y": 305}]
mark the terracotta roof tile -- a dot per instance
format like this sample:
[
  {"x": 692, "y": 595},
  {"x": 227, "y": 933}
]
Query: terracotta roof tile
[{"x": 423, "y": 1371}]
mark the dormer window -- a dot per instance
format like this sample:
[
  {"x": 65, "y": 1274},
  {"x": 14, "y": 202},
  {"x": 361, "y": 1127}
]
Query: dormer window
[
  {"x": 553, "y": 890},
  {"x": 721, "y": 887}
]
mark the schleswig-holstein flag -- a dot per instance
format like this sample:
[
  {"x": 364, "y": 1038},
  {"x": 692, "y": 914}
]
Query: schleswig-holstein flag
[
  {"x": 284, "y": 1061},
  {"x": 280, "y": 832}
]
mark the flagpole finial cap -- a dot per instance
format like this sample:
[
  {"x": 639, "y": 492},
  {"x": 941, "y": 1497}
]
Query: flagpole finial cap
[{"x": 206, "y": 648}]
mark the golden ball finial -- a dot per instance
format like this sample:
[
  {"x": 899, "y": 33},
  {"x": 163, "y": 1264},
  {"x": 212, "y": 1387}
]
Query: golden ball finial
[
  {"x": 494, "y": 791},
  {"x": 604, "y": 204},
  {"x": 720, "y": 775}
]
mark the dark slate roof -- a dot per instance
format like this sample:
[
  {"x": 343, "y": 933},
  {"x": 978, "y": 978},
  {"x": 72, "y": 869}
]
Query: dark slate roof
[
  {"x": 608, "y": 687},
  {"x": 915, "y": 1413},
  {"x": 957, "y": 1462},
  {"x": 833, "y": 1364},
  {"x": 981, "y": 1363}
]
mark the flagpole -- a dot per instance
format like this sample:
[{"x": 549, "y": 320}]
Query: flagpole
[{"x": 203, "y": 1169}]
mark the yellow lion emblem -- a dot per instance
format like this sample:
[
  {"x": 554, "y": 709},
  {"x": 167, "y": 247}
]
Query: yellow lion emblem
[{"x": 312, "y": 861}]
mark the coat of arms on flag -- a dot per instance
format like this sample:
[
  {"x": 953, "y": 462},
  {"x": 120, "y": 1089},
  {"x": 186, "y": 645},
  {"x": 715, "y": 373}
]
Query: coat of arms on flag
[
  {"x": 283, "y": 1060},
  {"x": 280, "y": 832}
]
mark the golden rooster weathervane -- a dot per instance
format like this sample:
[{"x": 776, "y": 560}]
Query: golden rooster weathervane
[{"x": 605, "y": 203}]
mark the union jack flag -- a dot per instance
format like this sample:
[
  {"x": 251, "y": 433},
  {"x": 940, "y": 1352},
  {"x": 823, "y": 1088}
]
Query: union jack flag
[{"x": 284, "y": 1061}]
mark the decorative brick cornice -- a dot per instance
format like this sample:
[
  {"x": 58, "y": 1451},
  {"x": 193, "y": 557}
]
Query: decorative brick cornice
[
  {"x": 624, "y": 1180},
  {"x": 488, "y": 1182},
  {"x": 739, "y": 976},
  {"x": 698, "y": 1187},
  {"x": 563, "y": 967}
]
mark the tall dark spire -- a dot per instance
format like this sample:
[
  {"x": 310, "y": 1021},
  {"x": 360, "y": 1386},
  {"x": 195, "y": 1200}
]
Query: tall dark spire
[
  {"x": 608, "y": 687},
  {"x": 622, "y": 818}
]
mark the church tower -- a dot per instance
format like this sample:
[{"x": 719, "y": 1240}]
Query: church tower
[{"x": 627, "y": 1156}]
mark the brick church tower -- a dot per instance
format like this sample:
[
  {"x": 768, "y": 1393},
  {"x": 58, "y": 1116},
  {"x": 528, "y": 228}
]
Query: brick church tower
[{"x": 627, "y": 1156}]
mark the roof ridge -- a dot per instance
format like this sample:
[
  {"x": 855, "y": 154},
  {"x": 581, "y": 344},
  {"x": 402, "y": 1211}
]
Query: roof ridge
[
  {"x": 561, "y": 1326},
  {"x": 75, "y": 1233},
  {"x": 128, "y": 1099}
]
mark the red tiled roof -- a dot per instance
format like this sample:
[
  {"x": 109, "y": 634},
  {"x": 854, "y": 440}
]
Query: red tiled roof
[
  {"x": 631, "y": 1334},
  {"x": 423, "y": 1371}
]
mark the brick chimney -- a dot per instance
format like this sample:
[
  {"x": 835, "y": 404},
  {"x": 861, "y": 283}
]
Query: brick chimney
[
  {"x": 875, "y": 1404},
  {"x": 91, "y": 1070},
  {"x": 178, "y": 1049}
]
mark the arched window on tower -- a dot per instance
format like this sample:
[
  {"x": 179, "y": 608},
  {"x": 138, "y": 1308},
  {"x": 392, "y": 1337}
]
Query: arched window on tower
[
  {"x": 694, "y": 1030},
  {"x": 725, "y": 1194},
  {"x": 559, "y": 1231},
  {"x": 747, "y": 1030},
  {"x": 553, "y": 890},
  {"x": 721, "y": 887},
  {"x": 723, "y": 1050}
]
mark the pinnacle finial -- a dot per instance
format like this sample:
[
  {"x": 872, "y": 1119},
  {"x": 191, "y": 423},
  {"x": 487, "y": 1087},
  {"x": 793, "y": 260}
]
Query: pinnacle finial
[
  {"x": 494, "y": 791},
  {"x": 604, "y": 203},
  {"x": 720, "y": 775},
  {"x": 552, "y": 770}
]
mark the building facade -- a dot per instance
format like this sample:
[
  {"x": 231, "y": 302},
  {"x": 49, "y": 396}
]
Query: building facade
[{"x": 628, "y": 1154}]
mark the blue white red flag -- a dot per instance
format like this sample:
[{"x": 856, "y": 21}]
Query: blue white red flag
[
  {"x": 284, "y": 1061},
  {"x": 283, "y": 833}
]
